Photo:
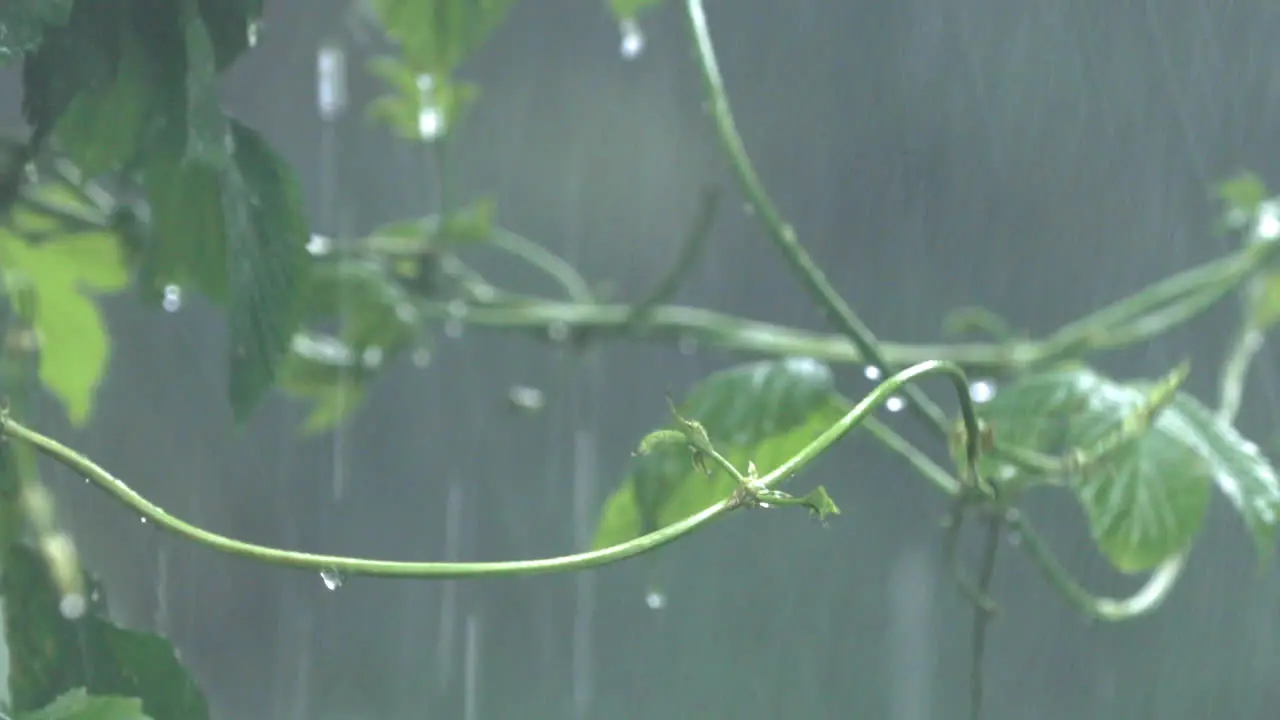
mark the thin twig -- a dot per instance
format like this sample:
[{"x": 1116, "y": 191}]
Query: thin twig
[{"x": 982, "y": 616}]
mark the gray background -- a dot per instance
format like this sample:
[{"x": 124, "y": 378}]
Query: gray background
[{"x": 1035, "y": 158}]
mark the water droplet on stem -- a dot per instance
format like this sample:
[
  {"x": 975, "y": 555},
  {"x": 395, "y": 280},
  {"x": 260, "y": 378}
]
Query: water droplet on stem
[
  {"x": 332, "y": 578},
  {"x": 632, "y": 44}
]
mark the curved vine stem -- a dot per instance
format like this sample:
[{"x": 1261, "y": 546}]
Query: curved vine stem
[
  {"x": 343, "y": 565},
  {"x": 783, "y": 234}
]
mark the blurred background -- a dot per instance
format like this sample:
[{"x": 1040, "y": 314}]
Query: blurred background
[{"x": 1036, "y": 158}]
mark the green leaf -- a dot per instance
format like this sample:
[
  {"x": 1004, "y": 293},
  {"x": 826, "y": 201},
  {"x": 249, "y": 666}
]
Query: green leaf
[
  {"x": 329, "y": 374},
  {"x": 422, "y": 107},
  {"x": 79, "y": 705},
  {"x": 73, "y": 341},
  {"x": 1241, "y": 196},
  {"x": 50, "y": 655},
  {"x": 80, "y": 54},
  {"x": 374, "y": 308},
  {"x": 1239, "y": 468},
  {"x": 435, "y": 36},
  {"x": 24, "y": 23},
  {"x": 1146, "y": 499},
  {"x": 269, "y": 265},
  {"x": 103, "y": 126},
  {"x": 760, "y": 412},
  {"x": 629, "y": 9}
]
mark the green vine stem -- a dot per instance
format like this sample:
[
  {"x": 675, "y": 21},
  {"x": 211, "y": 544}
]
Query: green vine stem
[
  {"x": 350, "y": 566},
  {"x": 783, "y": 234}
]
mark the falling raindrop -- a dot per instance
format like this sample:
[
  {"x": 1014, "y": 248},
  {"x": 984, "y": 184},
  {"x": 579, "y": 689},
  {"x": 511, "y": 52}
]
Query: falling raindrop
[
  {"x": 332, "y": 578},
  {"x": 655, "y": 599},
  {"x": 982, "y": 391},
  {"x": 72, "y": 606},
  {"x": 172, "y": 298},
  {"x": 558, "y": 331},
  {"x": 632, "y": 44},
  {"x": 331, "y": 82},
  {"x": 254, "y": 32},
  {"x": 688, "y": 345},
  {"x": 895, "y": 404},
  {"x": 872, "y": 372},
  {"x": 430, "y": 116}
]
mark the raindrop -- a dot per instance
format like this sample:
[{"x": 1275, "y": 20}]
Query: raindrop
[
  {"x": 331, "y": 82},
  {"x": 332, "y": 578},
  {"x": 430, "y": 116},
  {"x": 457, "y": 312},
  {"x": 453, "y": 328},
  {"x": 1268, "y": 224},
  {"x": 872, "y": 372},
  {"x": 72, "y": 606},
  {"x": 895, "y": 404},
  {"x": 255, "y": 30},
  {"x": 1015, "y": 538},
  {"x": 655, "y": 599},
  {"x": 982, "y": 391},
  {"x": 319, "y": 245},
  {"x": 371, "y": 357},
  {"x": 143, "y": 520},
  {"x": 558, "y": 331},
  {"x": 421, "y": 357},
  {"x": 688, "y": 345},
  {"x": 632, "y": 44},
  {"x": 172, "y": 298}
]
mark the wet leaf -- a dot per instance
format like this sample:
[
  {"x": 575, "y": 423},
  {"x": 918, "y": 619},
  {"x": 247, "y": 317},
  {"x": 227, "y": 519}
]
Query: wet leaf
[
  {"x": 374, "y": 309},
  {"x": 1146, "y": 499},
  {"x": 233, "y": 27},
  {"x": 760, "y": 412},
  {"x": 421, "y": 107},
  {"x": 79, "y": 705},
  {"x": 59, "y": 275},
  {"x": 51, "y": 655},
  {"x": 24, "y": 23}
]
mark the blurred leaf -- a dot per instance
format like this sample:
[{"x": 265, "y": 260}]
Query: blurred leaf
[
  {"x": 79, "y": 53},
  {"x": 629, "y": 9},
  {"x": 437, "y": 35},
  {"x": 422, "y": 107},
  {"x": 50, "y": 655},
  {"x": 376, "y": 311},
  {"x": 233, "y": 27},
  {"x": 471, "y": 224},
  {"x": 78, "y": 705},
  {"x": 327, "y": 373},
  {"x": 24, "y": 23},
  {"x": 761, "y": 412},
  {"x": 1146, "y": 500},
  {"x": 103, "y": 126},
  {"x": 73, "y": 340}
]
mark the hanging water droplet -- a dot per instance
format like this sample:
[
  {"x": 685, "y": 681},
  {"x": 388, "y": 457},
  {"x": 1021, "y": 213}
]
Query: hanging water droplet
[
  {"x": 172, "y": 298},
  {"x": 430, "y": 116},
  {"x": 143, "y": 520},
  {"x": 319, "y": 245},
  {"x": 332, "y": 578},
  {"x": 895, "y": 404},
  {"x": 632, "y": 44},
  {"x": 1268, "y": 222},
  {"x": 558, "y": 331},
  {"x": 72, "y": 606},
  {"x": 254, "y": 31},
  {"x": 688, "y": 345},
  {"x": 526, "y": 398},
  {"x": 655, "y": 599},
  {"x": 872, "y": 372},
  {"x": 982, "y": 391},
  {"x": 331, "y": 82}
]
